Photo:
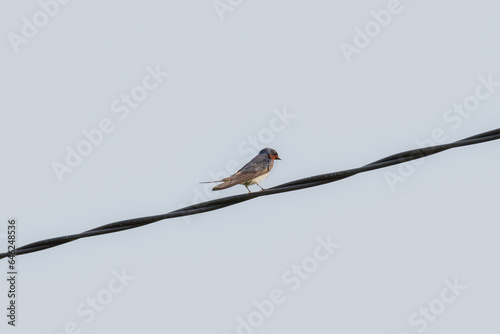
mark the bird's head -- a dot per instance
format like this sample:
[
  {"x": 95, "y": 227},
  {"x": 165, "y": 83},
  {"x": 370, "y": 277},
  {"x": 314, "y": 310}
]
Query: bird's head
[{"x": 272, "y": 154}]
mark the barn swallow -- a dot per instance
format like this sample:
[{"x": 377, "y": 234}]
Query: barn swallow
[{"x": 252, "y": 173}]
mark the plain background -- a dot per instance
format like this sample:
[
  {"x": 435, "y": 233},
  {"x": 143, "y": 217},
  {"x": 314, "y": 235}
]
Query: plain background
[{"x": 227, "y": 76}]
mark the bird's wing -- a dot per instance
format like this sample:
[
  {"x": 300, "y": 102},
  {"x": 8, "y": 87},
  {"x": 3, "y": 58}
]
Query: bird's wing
[
  {"x": 257, "y": 164},
  {"x": 256, "y": 167}
]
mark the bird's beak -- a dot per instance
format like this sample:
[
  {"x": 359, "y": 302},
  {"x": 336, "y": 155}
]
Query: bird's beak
[{"x": 275, "y": 157}]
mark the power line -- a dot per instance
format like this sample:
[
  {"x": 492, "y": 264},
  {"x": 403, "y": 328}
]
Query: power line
[{"x": 312, "y": 181}]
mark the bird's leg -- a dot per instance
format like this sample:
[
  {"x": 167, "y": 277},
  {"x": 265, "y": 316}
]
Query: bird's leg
[
  {"x": 260, "y": 186},
  {"x": 247, "y": 188}
]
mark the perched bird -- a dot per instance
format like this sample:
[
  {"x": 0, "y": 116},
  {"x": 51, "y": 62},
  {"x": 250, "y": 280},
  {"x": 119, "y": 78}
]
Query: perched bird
[{"x": 252, "y": 173}]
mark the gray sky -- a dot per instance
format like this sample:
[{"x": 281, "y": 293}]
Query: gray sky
[{"x": 118, "y": 110}]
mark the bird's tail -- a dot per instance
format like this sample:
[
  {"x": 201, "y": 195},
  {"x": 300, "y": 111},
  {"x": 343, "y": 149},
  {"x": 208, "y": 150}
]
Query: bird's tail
[{"x": 224, "y": 185}]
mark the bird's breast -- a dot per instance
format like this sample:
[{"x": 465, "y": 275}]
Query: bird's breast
[{"x": 260, "y": 178}]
